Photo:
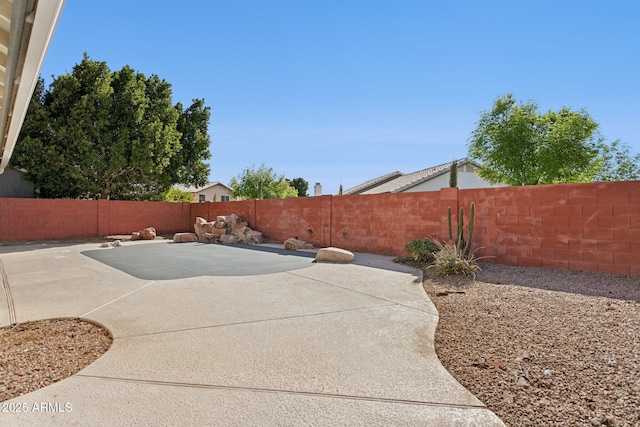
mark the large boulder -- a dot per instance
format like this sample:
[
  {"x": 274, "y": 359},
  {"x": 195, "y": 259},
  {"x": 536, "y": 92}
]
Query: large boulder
[
  {"x": 148, "y": 233},
  {"x": 295, "y": 244},
  {"x": 185, "y": 237},
  {"x": 201, "y": 227},
  {"x": 253, "y": 237},
  {"x": 336, "y": 255}
]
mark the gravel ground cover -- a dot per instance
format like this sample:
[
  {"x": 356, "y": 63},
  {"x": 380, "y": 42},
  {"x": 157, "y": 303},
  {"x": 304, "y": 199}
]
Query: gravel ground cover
[
  {"x": 36, "y": 354},
  {"x": 543, "y": 347}
]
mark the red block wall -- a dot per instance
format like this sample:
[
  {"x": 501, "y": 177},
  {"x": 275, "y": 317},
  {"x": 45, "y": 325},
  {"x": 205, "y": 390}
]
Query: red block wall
[
  {"x": 384, "y": 223},
  {"x": 307, "y": 218},
  {"x": 589, "y": 227},
  {"x": 31, "y": 219},
  {"x": 37, "y": 219},
  {"x": 165, "y": 217}
]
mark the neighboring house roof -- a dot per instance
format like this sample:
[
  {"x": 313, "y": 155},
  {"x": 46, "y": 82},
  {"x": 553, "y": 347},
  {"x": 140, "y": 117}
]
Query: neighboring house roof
[
  {"x": 397, "y": 182},
  {"x": 26, "y": 30},
  {"x": 372, "y": 183},
  {"x": 203, "y": 188},
  {"x": 13, "y": 184}
]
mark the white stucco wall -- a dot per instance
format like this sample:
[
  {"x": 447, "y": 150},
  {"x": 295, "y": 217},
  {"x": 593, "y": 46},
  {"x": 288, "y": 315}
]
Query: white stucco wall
[
  {"x": 217, "y": 190},
  {"x": 466, "y": 180}
]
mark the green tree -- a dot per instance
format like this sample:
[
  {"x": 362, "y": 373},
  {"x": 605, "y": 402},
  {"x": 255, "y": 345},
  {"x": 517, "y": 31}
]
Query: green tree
[
  {"x": 176, "y": 195},
  {"x": 616, "y": 163},
  {"x": 100, "y": 134},
  {"x": 519, "y": 146},
  {"x": 301, "y": 186},
  {"x": 188, "y": 164},
  {"x": 261, "y": 183}
]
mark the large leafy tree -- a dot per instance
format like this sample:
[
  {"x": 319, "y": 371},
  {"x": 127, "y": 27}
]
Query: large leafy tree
[
  {"x": 261, "y": 183},
  {"x": 301, "y": 185},
  {"x": 517, "y": 145},
  {"x": 616, "y": 163},
  {"x": 100, "y": 134}
]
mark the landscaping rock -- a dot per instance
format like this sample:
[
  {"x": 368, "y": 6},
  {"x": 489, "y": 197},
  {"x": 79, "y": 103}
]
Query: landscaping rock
[
  {"x": 202, "y": 226},
  {"x": 336, "y": 255},
  {"x": 185, "y": 237},
  {"x": 210, "y": 237},
  {"x": 148, "y": 233},
  {"x": 231, "y": 226},
  {"x": 295, "y": 244},
  {"x": 253, "y": 237},
  {"x": 229, "y": 238}
]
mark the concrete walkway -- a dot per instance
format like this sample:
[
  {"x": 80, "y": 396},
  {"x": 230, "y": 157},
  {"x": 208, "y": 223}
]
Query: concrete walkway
[{"x": 308, "y": 344}]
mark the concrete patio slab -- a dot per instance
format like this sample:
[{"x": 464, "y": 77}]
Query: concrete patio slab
[
  {"x": 318, "y": 345},
  {"x": 125, "y": 403},
  {"x": 373, "y": 353},
  {"x": 215, "y": 301},
  {"x": 60, "y": 282},
  {"x": 394, "y": 286}
]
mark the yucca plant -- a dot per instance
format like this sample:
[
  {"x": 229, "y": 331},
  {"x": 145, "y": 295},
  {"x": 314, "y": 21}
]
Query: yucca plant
[
  {"x": 457, "y": 258},
  {"x": 451, "y": 261}
]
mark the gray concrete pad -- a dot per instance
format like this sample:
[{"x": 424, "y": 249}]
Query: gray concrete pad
[
  {"x": 321, "y": 344},
  {"x": 168, "y": 260}
]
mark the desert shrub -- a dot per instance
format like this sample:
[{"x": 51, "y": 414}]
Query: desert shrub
[
  {"x": 451, "y": 261},
  {"x": 421, "y": 250}
]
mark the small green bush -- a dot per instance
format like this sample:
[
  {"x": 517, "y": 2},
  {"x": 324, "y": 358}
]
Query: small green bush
[
  {"x": 421, "y": 250},
  {"x": 451, "y": 261}
]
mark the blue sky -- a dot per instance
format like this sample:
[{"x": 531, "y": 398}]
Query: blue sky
[{"x": 345, "y": 91}]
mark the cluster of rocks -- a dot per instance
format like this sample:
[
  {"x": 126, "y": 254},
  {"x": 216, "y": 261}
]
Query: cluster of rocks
[
  {"x": 114, "y": 244},
  {"x": 295, "y": 244},
  {"x": 231, "y": 229},
  {"x": 226, "y": 229},
  {"x": 329, "y": 254},
  {"x": 148, "y": 233}
]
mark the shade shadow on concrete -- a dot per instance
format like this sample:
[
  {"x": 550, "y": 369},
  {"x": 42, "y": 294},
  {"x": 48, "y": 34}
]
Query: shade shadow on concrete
[{"x": 171, "y": 261}]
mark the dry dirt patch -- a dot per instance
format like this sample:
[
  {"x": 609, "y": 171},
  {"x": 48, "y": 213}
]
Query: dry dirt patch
[{"x": 36, "y": 354}]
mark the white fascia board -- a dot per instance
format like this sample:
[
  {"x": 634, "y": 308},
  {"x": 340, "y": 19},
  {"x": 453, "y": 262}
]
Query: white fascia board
[{"x": 45, "y": 20}]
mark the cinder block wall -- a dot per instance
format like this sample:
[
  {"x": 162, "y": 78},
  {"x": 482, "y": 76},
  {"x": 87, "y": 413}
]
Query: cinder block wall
[
  {"x": 588, "y": 227},
  {"x": 385, "y": 223},
  {"x": 36, "y": 219}
]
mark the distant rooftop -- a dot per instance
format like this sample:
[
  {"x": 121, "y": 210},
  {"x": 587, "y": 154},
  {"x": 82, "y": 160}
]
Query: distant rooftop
[{"x": 397, "y": 182}]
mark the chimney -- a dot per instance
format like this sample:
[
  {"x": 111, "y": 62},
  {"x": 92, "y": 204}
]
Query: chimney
[{"x": 317, "y": 189}]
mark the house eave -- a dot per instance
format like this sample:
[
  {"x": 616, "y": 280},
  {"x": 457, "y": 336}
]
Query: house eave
[{"x": 23, "y": 46}]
